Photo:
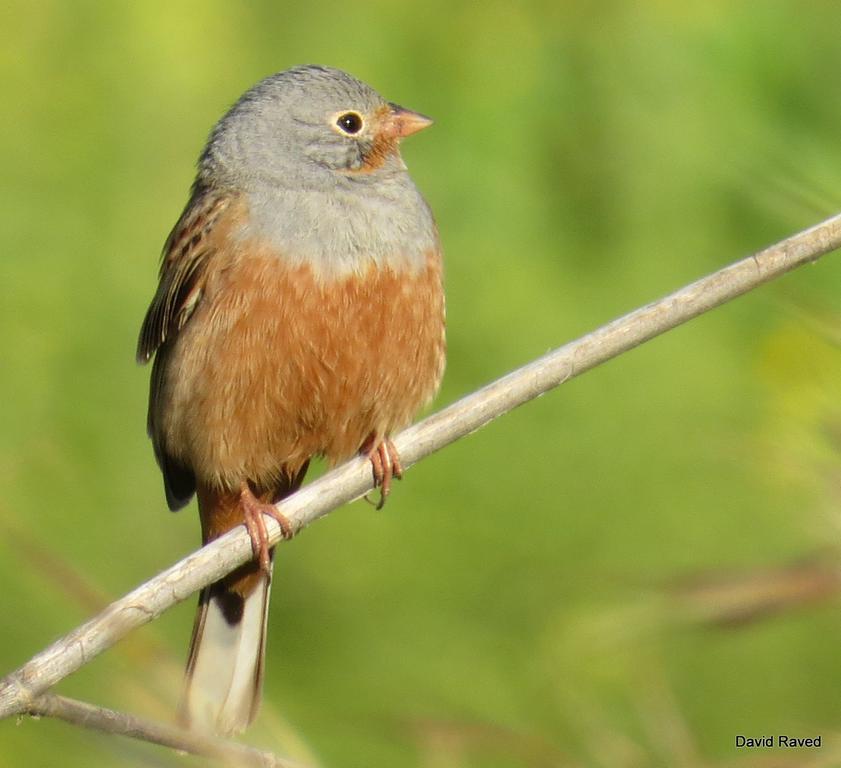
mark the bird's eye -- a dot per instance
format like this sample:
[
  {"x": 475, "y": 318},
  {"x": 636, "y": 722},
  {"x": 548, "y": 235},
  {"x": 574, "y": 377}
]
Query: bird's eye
[{"x": 350, "y": 122}]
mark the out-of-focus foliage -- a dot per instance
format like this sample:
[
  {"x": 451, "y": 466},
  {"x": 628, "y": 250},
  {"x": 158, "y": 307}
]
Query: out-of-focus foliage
[{"x": 523, "y": 600}]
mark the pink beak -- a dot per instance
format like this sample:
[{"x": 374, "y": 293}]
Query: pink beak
[{"x": 400, "y": 122}]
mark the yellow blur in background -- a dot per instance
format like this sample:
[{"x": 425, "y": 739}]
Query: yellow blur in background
[{"x": 629, "y": 572}]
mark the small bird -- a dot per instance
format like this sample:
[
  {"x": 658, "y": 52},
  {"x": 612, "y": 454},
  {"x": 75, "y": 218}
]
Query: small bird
[{"x": 299, "y": 313}]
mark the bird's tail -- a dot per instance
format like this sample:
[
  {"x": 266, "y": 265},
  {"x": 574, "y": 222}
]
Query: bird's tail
[{"x": 224, "y": 677}]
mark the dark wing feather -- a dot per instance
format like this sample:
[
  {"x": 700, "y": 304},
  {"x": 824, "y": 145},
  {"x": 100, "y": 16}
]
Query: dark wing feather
[
  {"x": 185, "y": 256},
  {"x": 179, "y": 480}
]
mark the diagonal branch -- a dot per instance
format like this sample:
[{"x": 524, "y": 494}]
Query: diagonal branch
[
  {"x": 19, "y": 689},
  {"x": 109, "y": 721}
]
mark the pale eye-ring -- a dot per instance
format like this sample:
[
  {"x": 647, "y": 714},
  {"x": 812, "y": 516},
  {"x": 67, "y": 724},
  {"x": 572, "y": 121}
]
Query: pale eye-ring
[{"x": 350, "y": 122}]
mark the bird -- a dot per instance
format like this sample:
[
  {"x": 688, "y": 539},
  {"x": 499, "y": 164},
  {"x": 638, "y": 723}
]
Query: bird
[{"x": 299, "y": 313}]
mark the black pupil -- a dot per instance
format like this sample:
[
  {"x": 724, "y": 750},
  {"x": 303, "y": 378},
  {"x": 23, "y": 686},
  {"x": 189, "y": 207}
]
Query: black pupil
[{"x": 350, "y": 123}]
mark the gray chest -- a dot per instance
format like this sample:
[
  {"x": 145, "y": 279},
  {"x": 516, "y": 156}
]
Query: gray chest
[{"x": 345, "y": 231}]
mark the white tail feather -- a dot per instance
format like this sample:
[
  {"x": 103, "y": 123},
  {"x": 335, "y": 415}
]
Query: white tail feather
[{"x": 225, "y": 667}]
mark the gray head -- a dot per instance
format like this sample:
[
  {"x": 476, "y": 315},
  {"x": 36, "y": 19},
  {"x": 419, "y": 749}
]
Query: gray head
[{"x": 304, "y": 126}]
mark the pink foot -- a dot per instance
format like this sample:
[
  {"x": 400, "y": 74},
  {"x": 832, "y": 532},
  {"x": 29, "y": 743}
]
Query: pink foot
[
  {"x": 385, "y": 464},
  {"x": 253, "y": 510}
]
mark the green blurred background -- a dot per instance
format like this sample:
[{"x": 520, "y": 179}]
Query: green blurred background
[{"x": 628, "y": 572}]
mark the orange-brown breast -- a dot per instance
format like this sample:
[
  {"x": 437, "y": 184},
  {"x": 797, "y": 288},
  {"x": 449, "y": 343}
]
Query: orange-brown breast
[{"x": 277, "y": 365}]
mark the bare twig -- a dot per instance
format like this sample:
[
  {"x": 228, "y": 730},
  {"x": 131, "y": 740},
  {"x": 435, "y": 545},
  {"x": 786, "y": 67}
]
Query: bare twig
[
  {"x": 109, "y": 721},
  {"x": 734, "y": 599},
  {"x": 19, "y": 689}
]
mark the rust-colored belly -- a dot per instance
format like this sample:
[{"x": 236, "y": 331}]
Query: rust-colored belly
[{"x": 277, "y": 366}]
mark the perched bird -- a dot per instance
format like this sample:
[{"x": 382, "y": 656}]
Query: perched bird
[{"x": 299, "y": 313}]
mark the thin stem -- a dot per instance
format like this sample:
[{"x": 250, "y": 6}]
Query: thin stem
[{"x": 110, "y": 721}]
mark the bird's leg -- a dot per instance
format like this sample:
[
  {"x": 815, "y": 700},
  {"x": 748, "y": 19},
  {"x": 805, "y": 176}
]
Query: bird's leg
[
  {"x": 252, "y": 511},
  {"x": 385, "y": 464}
]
